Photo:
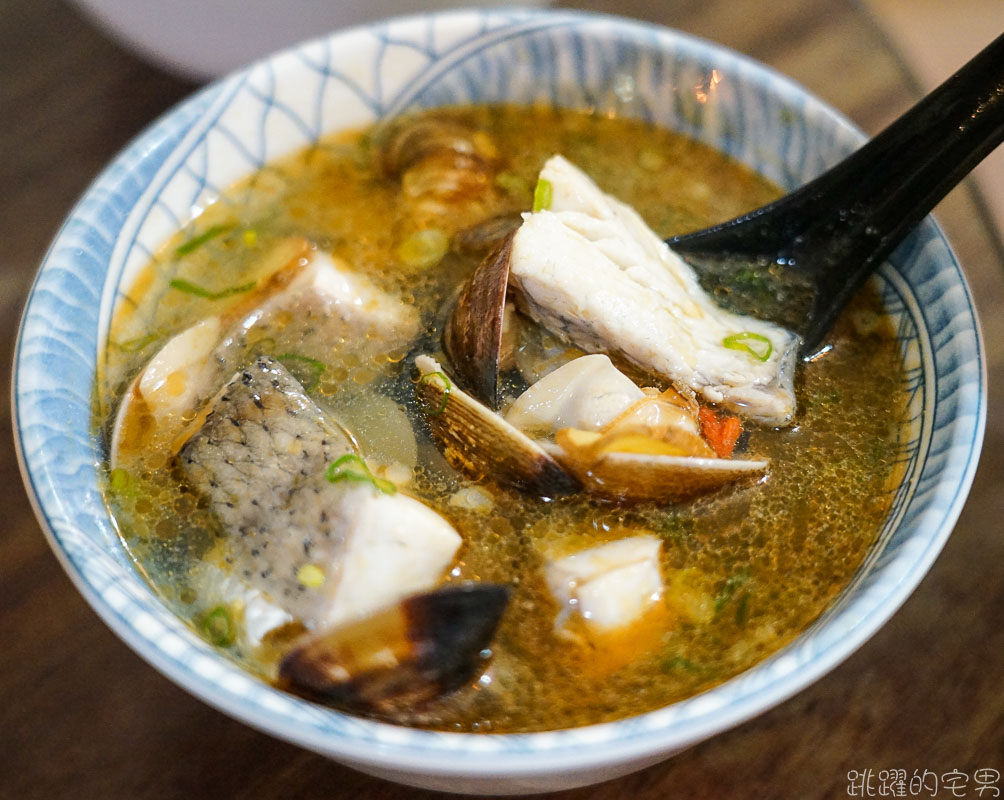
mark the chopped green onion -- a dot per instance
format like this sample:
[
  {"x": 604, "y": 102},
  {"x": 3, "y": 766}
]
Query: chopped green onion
[
  {"x": 753, "y": 343},
  {"x": 134, "y": 345},
  {"x": 316, "y": 368},
  {"x": 679, "y": 662},
  {"x": 351, "y": 467},
  {"x": 423, "y": 249},
  {"x": 311, "y": 576},
  {"x": 119, "y": 479},
  {"x": 729, "y": 589},
  {"x": 199, "y": 291},
  {"x": 543, "y": 195},
  {"x": 512, "y": 184},
  {"x": 197, "y": 241},
  {"x": 220, "y": 627},
  {"x": 446, "y": 390},
  {"x": 742, "y": 609}
]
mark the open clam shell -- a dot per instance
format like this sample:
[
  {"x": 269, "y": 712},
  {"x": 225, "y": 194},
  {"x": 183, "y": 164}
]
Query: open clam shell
[
  {"x": 473, "y": 338},
  {"x": 641, "y": 477},
  {"x": 480, "y": 443},
  {"x": 486, "y": 237},
  {"x": 425, "y": 646}
]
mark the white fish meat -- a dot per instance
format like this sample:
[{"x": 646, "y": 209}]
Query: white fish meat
[
  {"x": 324, "y": 552},
  {"x": 610, "y": 586},
  {"x": 305, "y": 292},
  {"x": 590, "y": 270}
]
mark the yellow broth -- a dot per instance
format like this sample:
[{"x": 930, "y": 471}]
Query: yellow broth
[{"x": 746, "y": 569}]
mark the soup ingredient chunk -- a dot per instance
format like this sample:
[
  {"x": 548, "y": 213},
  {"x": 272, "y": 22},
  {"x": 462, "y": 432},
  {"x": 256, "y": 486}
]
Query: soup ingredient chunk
[
  {"x": 302, "y": 293},
  {"x": 635, "y": 444},
  {"x": 339, "y": 302},
  {"x": 397, "y": 658},
  {"x": 588, "y": 268},
  {"x": 325, "y": 549},
  {"x": 609, "y": 586},
  {"x": 177, "y": 375},
  {"x": 226, "y": 593},
  {"x": 586, "y": 393}
]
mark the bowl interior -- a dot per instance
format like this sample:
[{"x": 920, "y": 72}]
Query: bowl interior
[{"x": 354, "y": 78}]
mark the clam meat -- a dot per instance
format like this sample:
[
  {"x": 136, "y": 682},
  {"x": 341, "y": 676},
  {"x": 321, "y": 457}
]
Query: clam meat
[{"x": 583, "y": 425}]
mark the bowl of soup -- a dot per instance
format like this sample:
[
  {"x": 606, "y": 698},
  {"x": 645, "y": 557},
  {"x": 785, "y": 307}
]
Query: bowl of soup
[{"x": 362, "y": 398}]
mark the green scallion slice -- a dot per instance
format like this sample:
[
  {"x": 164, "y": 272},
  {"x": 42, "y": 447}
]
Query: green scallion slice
[
  {"x": 305, "y": 369},
  {"x": 729, "y": 589},
  {"x": 119, "y": 479},
  {"x": 756, "y": 345},
  {"x": 543, "y": 195},
  {"x": 423, "y": 249},
  {"x": 197, "y": 241},
  {"x": 220, "y": 627},
  {"x": 199, "y": 291},
  {"x": 427, "y": 377},
  {"x": 135, "y": 345},
  {"x": 351, "y": 467}
]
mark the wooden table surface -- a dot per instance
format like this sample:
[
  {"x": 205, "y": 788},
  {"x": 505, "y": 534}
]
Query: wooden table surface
[{"x": 82, "y": 716}]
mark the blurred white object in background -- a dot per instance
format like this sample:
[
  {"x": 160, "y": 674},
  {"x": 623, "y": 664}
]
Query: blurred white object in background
[{"x": 203, "y": 39}]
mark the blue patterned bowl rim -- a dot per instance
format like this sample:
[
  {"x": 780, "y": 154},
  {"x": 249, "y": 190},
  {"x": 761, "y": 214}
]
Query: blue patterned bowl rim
[{"x": 67, "y": 313}]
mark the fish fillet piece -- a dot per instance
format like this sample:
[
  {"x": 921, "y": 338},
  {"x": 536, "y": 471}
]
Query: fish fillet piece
[
  {"x": 590, "y": 270},
  {"x": 324, "y": 552},
  {"x": 257, "y": 613},
  {"x": 304, "y": 295},
  {"x": 174, "y": 378},
  {"x": 332, "y": 301},
  {"x": 610, "y": 585}
]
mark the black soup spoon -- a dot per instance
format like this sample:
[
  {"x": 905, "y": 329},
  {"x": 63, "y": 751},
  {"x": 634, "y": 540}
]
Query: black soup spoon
[{"x": 799, "y": 260}]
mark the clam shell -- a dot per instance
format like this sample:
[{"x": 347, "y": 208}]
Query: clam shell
[
  {"x": 131, "y": 417},
  {"x": 642, "y": 476},
  {"x": 398, "y": 658},
  {"x": 412, "y": 141},
  {"x": 487, "y": 236},
  {"x": 481, "y": 444},
  {"x": 473, "y": 337}
]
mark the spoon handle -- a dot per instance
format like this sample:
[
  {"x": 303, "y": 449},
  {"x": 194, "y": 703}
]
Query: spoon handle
[{"x": 837, "y": 229}]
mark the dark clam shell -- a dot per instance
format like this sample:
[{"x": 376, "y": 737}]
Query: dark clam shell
[
  {"x": 473, "y": 337},
  {"x": 395, "y": 660},
  {"x": 480, "y": 443}
]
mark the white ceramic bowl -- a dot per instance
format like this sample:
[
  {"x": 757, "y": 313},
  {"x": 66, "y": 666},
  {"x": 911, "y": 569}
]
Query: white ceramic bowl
[
  {"x": 181, "y": 163},
  {"x": 231, "y": 33}
]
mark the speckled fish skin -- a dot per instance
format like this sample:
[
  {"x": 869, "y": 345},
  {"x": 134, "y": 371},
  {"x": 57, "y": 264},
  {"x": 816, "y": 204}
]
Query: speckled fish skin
[
  {"x": 264, "y": 444},
  {"x": 260, "y": 459}
]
